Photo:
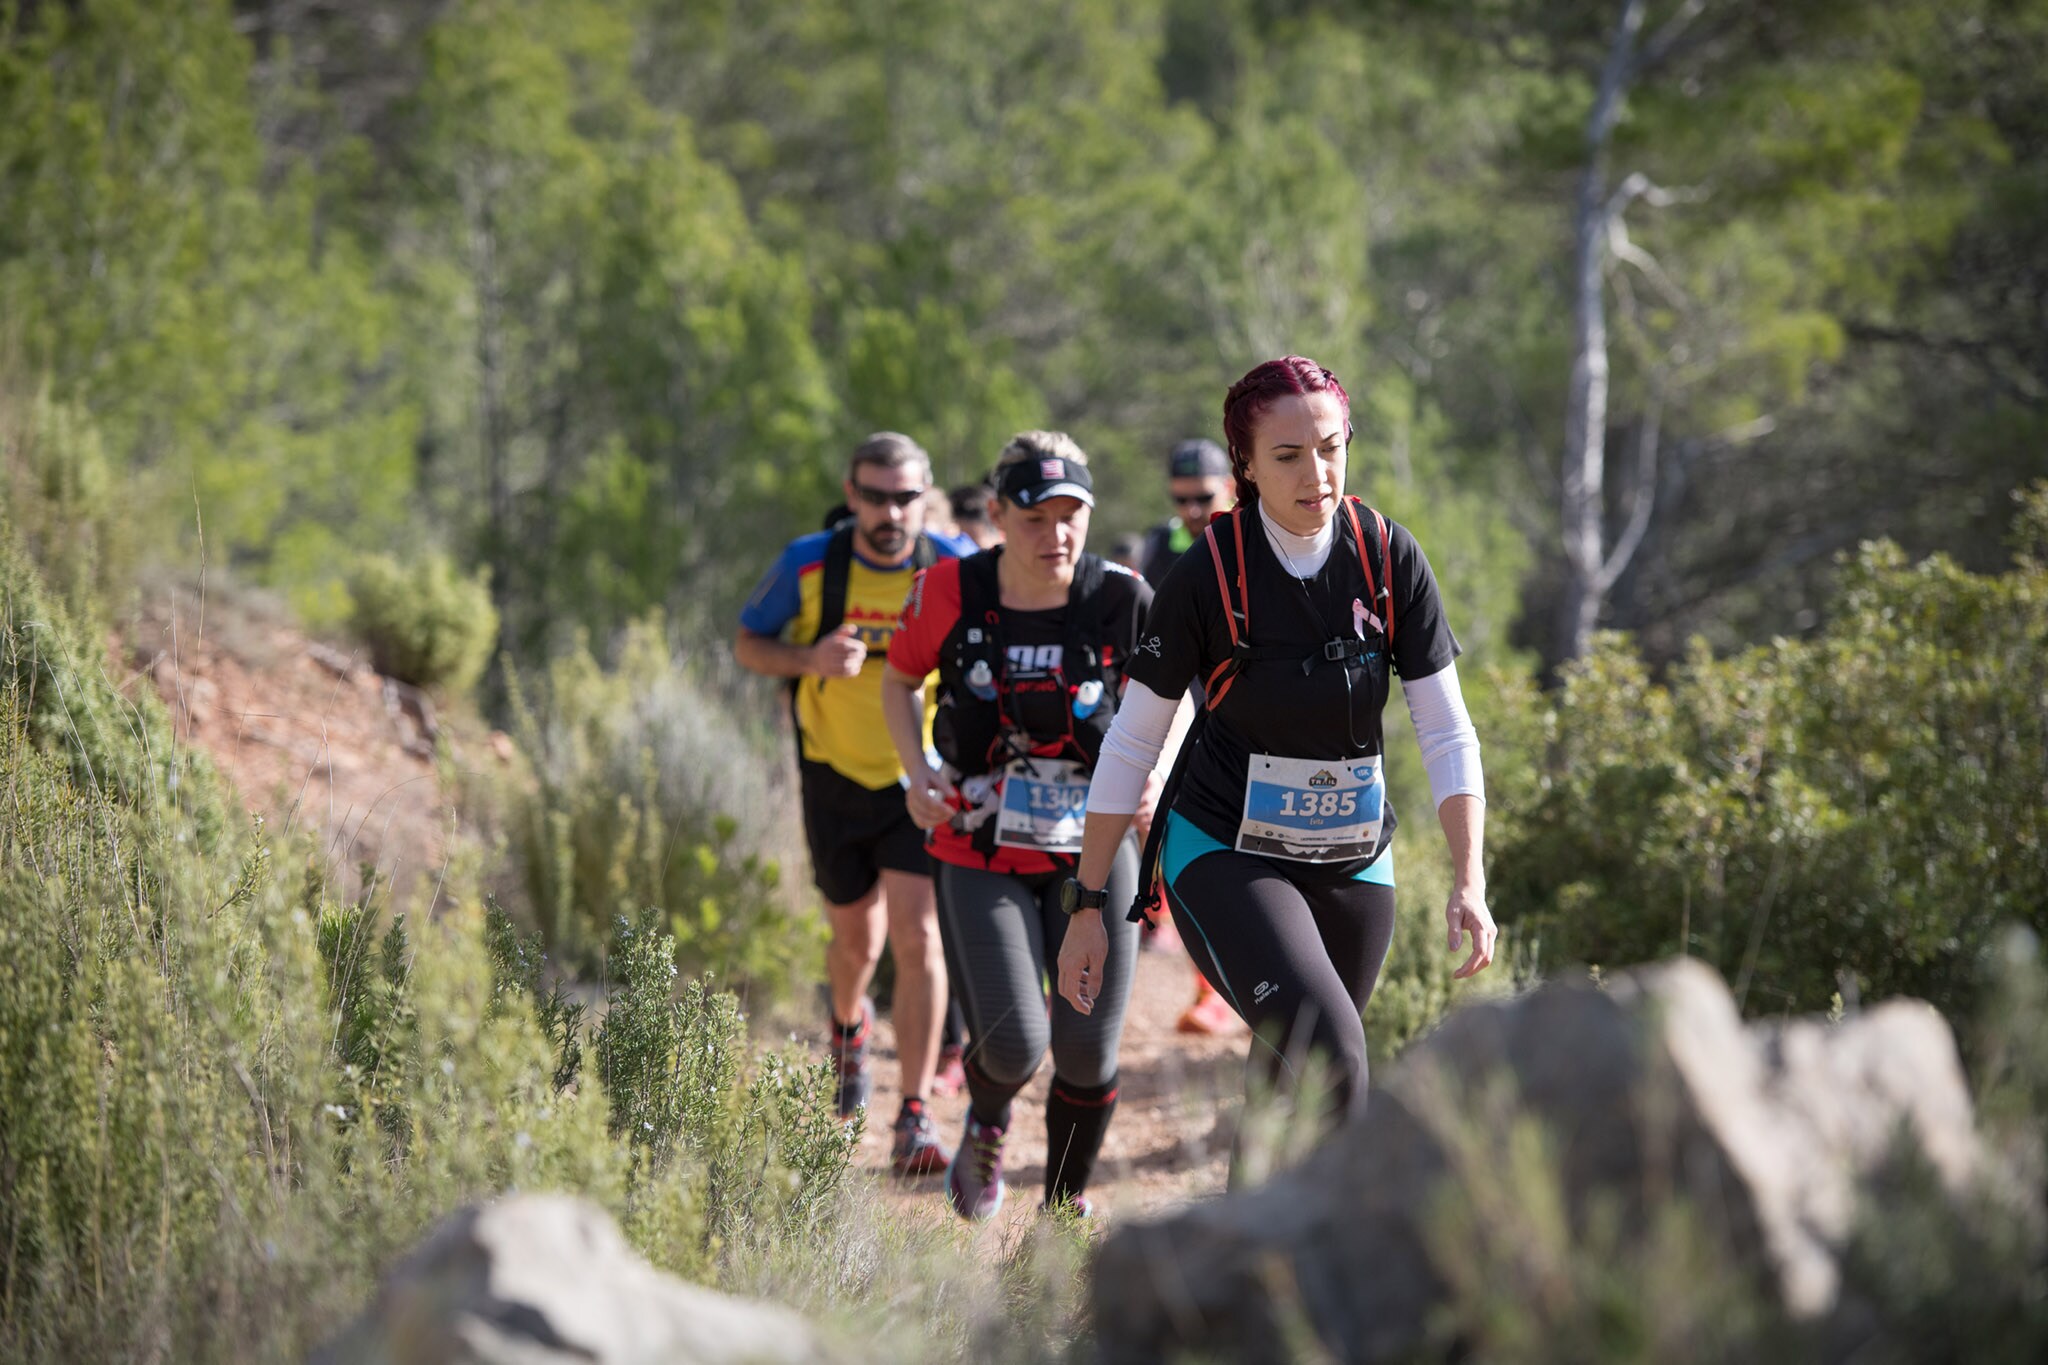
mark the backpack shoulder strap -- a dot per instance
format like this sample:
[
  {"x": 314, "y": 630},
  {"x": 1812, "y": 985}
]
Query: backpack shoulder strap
[
  {"x": 981, "y": 603},
  {"x": 980, "y": 589},
  {"x": 1236, "y": 610},
  {"x": 1085, "y": 611},
  {"x": 1379, "y": 586},
  {"x": 838, "y": 568}
]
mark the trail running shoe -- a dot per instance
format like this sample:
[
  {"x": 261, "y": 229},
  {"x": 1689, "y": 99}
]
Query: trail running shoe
[
  {"x": 850, "y": 1059},
  {"x": 1210, "y": 1013},
  {"x": 974, "y": 1180},
  {"x": 951, "y": 1077},
  {"x": 917, "y": 1150}
]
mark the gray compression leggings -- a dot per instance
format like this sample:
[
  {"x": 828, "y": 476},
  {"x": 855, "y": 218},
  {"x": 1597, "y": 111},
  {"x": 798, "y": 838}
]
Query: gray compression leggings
[{"x": 1003, "y": 936}]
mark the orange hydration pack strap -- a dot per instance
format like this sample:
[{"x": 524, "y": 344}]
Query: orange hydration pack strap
[{"x": 1237, "y": 610}]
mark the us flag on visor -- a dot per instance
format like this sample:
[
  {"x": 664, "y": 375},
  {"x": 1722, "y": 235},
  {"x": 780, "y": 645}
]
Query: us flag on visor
[{"x": 1051, "y": 469}]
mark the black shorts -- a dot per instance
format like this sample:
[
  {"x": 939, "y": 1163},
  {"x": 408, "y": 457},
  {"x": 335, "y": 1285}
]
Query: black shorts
[{"x": 855, "y": 832}]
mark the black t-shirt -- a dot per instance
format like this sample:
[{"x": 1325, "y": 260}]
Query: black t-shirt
[{"x": 1299, "y": 704}]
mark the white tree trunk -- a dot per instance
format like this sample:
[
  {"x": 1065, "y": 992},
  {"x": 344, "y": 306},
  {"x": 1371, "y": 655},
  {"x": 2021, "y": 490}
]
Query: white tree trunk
[{"x": 1583, "y": 484}]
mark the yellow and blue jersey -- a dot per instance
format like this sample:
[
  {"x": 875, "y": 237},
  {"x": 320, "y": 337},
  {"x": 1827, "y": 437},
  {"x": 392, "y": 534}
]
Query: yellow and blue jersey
[{"x": 839, "y": 720}]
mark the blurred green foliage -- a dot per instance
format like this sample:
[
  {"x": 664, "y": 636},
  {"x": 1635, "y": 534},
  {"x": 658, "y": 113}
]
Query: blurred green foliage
[
  {"x": 424, "y": 622},
  {"x": 597, "y": 293},
  {"x": 1859, "y": 813}
]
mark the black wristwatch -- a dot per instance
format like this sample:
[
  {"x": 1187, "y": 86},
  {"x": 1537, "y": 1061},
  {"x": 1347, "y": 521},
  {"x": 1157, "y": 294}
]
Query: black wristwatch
[{"x": 1075, "y": 897}]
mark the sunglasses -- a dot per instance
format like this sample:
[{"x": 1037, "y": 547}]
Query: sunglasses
[
  {"x": 1194, "y": 499},
  {"x": 876, "y": 497}
]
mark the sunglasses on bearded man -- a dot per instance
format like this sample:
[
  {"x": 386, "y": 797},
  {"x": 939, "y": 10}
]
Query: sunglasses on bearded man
[{"x": 878, "y": 497}]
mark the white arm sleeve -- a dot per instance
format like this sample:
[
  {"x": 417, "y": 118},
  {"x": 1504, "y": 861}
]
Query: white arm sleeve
[
  {"x": 1450, "y": 746},
  {"x": 1130, "y": 751}
]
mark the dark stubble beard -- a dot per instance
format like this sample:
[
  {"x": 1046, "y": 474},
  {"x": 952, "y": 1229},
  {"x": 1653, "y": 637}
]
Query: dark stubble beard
[{"x": 886, "y": 540}]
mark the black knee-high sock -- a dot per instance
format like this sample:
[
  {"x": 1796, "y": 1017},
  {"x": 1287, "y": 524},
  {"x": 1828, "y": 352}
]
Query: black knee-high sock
[
  {"x": 990, "y": 1099},
  {"x": 1076, "y": 1117}
]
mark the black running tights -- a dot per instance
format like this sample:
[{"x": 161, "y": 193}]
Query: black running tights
[{"x": 1297, "y": 963}]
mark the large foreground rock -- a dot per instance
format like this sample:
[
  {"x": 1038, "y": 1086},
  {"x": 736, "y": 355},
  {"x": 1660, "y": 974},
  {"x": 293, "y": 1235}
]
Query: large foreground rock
[
  {"x": 1653, "y": 1089},
  {"x": 541, "y": 1279}
]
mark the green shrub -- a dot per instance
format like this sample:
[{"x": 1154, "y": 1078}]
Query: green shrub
[
  {"x": 53, "y": 661},
  {"x": 1854, "y": 814},
  {"x": 228, "y": 1100},
  {"x": 649, "y": 792},
  {"x": 424, "y": 623},
  {"x": 74, "y": 517}
]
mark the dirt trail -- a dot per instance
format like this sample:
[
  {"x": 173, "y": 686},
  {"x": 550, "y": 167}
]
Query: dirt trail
[{"x": 1168, "y": 1144}]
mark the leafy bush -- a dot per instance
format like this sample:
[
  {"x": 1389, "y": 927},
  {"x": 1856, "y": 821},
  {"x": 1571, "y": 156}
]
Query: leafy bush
[
  {"x": 649, "y": 792},
  {"x": 424, "y": 622},
  {"x": 1856, "y": 814},
  {"x": 65, "y": 503},
  {"x": 227, "y": 1099}
]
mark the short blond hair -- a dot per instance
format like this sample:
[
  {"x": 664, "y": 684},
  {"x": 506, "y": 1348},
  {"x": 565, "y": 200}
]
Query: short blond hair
[{"x": 1041, "y": 445}]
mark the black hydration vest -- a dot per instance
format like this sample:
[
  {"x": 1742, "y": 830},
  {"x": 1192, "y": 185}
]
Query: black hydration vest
[
  {"x": 990, "y": 710},
  {"x": 1379, "y": 589}
]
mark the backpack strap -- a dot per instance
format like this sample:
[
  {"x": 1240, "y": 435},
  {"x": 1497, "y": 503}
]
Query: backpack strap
[
  {"x": 1236, "y": 611},
  {"x": 978, "y": 632},
  {"x": 837, "y": 569},
  {"x": 1084, "y": 617},
  {"x": 1380, "y": 586}
]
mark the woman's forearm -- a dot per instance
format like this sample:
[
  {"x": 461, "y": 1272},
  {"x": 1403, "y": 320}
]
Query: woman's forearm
[
  {"x": 1464, "y": 820},
  {"x": 1100, "y": 837},
  {"x": 903, "y": 713}
]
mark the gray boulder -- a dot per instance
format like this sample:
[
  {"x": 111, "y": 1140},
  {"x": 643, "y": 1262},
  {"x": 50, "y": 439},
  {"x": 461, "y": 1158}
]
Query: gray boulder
[
  {"x": 547, "y": 1279},
  {"x": 1652, "y": 1088}
]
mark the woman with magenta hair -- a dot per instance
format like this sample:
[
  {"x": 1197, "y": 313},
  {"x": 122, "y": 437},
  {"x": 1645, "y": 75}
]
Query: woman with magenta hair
[{"x": 1275, "y": 847}]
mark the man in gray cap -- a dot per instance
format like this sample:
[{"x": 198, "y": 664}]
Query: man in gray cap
[{"x": 1198, "y": 481}]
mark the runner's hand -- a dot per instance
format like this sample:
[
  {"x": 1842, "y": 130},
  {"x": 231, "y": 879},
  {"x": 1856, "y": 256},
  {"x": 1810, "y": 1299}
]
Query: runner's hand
[
  {"x": 840, "y": 654},
  {"x": 1465, "y": 913},
  {"x": 1082, "y": 953},
  {"x": 930, "y": 799}
]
